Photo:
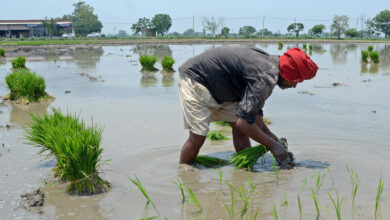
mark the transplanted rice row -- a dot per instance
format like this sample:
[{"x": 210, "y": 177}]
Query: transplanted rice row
[{"x": 76, "y": 148}]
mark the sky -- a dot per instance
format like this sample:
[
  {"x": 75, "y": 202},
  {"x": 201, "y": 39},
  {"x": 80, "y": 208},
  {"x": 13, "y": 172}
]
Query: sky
[{"x": 118, "y": 15}]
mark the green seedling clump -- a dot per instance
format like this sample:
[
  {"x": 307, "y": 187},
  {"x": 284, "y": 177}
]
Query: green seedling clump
[
  {"x": 76, "y": 148},
  {"x": 248, "y": 157},
  {"x": 147, "y": 63},
  {"x": 370, "y": 48},
  {"x": 222, "y": 123},
  {"x": 365, "y": 56},
  {"x": 2, "y": 52},
  {"x": 19, "y": 63},
  {"x": 216, "y": 136},
  {"x": 280, "y": 45},
  {"x": 304, "y": 47},
  {"x": 24, "y": 84},
  {"x": 167, "y": 63},
  {"x": 310, "y": 47},
  {"x": 210, "y": 162},
  {"x": 374, "y": 55}
]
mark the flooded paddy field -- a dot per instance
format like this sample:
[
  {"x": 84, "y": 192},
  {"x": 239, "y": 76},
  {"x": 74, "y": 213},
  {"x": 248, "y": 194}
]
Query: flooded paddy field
[{"x": 339, "y": 118}]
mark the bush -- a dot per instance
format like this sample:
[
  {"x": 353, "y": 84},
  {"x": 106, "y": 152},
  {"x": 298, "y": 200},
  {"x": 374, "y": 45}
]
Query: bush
[
  {"x": 374, "y": 55},
  {"x": 310, "y": 47},
  {"x": 370, "y": 48},
  {"x": 19, "y": 63},
  {"x": 147, "y": 62},
  {"x": 167, "y": 63},
  {"x": 2, "y": 52},
  {"x": 76, "y": 148},
  {"x": 24, "y": 84},
  {"x": 365, "y": 56}
]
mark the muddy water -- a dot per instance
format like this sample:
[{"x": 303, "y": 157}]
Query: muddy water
[{"x": 340, "y": 117}]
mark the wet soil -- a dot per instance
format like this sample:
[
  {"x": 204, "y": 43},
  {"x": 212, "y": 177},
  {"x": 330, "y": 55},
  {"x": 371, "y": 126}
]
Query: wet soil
[{"x": 33, "y": 199}]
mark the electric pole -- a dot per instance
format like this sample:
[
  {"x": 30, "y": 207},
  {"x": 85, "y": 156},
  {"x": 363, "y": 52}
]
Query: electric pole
[{"x": 262, "y": 31}]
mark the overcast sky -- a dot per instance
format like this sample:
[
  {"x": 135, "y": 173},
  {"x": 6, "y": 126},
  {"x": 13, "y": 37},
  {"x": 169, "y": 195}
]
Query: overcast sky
[{"x": 120, "y": 14}]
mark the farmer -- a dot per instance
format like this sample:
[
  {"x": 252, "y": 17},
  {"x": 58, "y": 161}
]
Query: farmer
[{"x": 231, "y": 84}]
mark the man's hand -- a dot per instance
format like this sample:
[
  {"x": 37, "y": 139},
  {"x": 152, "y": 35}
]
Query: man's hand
[{"x": 284, "y": 158}]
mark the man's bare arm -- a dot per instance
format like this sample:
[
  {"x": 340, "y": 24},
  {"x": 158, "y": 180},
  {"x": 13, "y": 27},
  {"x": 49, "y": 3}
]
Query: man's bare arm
[{"x": 260, "y": 123}]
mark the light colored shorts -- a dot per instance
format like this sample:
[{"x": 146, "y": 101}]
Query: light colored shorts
[{"x": 200, "y": 108}]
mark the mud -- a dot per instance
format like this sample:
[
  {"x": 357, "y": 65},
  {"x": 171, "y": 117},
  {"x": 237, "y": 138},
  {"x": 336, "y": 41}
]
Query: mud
[
  {"x": 306, "y": 93},
  {"x": 33, "y": 199}
]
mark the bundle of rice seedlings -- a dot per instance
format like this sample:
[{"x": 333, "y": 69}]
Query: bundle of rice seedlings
[
  {"x": 374, "y": 55},
  {"x": 167, "y": 63},
  {"x": 2, "y": 52},
  {"x": 19, "y": 63},
  {"x": 211, "y": 162},
  {"x": 222, "y": 123},
  {"x": 248, "y": 157},
  {"x": 24, "y": 84},
  {"x": 147, "y": 63},
  {"x": 216, "y": 136},
  {"x": 76, "y": 148}
]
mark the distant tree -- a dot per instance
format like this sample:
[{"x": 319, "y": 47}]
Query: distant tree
[
  {"x": 296, "y": 28},
  {"x": 317, "y": 30},
  {"x": 143, "y": 26},
  {"x": 122, "y": 33},
  {"x": 189, "y": 32},
  {"x": 247, "y": 31},
  {"x": 264, "y": 32},
  {"x": 352, "y": 33},
  {"x": 210, "y": 25},
  {"x": 175, "y": 34},
  {"x": 225, "y": 31},
  {"x": 83, "y": 19},
  {"x": 380, "y": 23},
  {"x": 50, "y": 26},
  {"x": 339, "y": 25},
  {"x": 162, "y": 23}
]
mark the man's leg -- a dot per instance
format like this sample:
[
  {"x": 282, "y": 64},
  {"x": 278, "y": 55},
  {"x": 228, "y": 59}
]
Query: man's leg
[
  {"x": 240, "y": 140},
  {"x": 191, "y": 148}
]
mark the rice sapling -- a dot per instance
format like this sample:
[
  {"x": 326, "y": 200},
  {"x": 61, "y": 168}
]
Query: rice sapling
[
  {"x": 284, "y": 202},
  {"x": 280, "y": 45},
  {"x": 304, "y": 47},
  {"x": 216, "y": 136},
  {"x": 314, "y": 196},
  {"x": 19, "y": 63},
  {"x": 378, "y": 195},
  {"x": 141, "y": 188},
  {"x": 147, "y": 63},
  {"x": 222, "y": 123},
  {"x": 180, "y": 185},
  {"x": 365, "y": 56},
  {"x": 210, "y": 162},
  {"x": 25, "y": 85},
  {"x": 230, "y": 209},
  {"x": 300, "y": 207},
  {"x": 374, "y": 56},
  {"x": 2, "y": 52},
  {"x": 354, "y": 178},
  {"x": 275, "y": 213},
  {"x": 370, "y": 48},
  {"x": 193, "y": 198},
  {"x": 167, "y": 63},
  {"x": 310, "y": 47},
  {"x": 336, "y": 203},
  {"x": 275, "y": 170}
]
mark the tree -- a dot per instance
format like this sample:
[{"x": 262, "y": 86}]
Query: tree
[
  {"x": 84, "y": 20},
  {"x": 247, "y": 31},
  {"x": 189, "y": 32},
  {"x": 225, "y": 31},
  {"x": 339, "y": 25},
  {"x": 295, "y": 27},
  {"x": 122, "y": 33},
  {"x": 211, "y": 25},
  {"x": 380, "y": 23},
  {"x": 144, "y": 25},
  {"x": 50, "y": 26},
  {"x": 264, "y": 32},
  {"x": 317, "y": 30},
  {"x": 161, "y": 23},
  {"x": 352, "y": 33}
]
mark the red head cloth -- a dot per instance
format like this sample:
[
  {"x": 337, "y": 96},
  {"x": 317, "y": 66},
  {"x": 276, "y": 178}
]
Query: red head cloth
[{"x": 296, "y": 66}]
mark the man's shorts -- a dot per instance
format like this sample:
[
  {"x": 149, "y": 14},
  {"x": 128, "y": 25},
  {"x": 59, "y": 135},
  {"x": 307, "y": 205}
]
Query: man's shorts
[{"x": 200, "y": 108}]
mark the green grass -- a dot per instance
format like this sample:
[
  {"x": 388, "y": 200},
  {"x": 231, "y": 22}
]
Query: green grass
[
  {"x": 147, "y": 62},
  {"x": 2, "y": 52},
  {"x": 216, "y": 136},
  {"x": 19, "y": 63},
  {"x": 374, "y": 55},
  {"x": 248, "y": 157},
  {"x": 167, "y": 63},
  {"x": 210, "y": 162},
  {"x": 370, "y": 48},
  {"x": 365, "y": 56},
  {"x": 76, "y": 148},
  {"x": 24, "y": 84}
]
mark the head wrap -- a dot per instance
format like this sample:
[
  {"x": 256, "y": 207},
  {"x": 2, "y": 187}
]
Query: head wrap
[{"x": 296, "y": 66}]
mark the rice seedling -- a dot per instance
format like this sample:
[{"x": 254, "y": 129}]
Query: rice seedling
[
  {"x": 248, "y": 156},
  {"x": 2, "y": 52},
  {"x": 304, "y": 46},
  {"x": 374, "y": 56},
  {"x": 76, "y": 148},
  {"x": 167, "y": 63},
  {"x": 193, "y": 198},
  {"x": 354, "y": 178},
  {"x": 147, "y": 63},
  {"x": 370, "y": 48},
  {"x": 267, "y": 121},
  {"x": 141, "y": 188},
  {"x": 276, "y": 171},
  {"x": 220, "y": 174},
  {"x": 275, "y": 213},
  {"x": 216, "y": 136},
  {"x": 365, "y": 56},
  {"x": 314, "y": 196},
  {"x": 19, "y": 63},
  {"x": 24, "y": 84},
  {"x": 180, "y": 185},
  {"x": 319, "y": 180},
  {"x": 378, "y": 195},
  {"x": 303, "y": 184},
  {"x": 310, "y": 47},
  {"x": 222, "y": 123},
  {"x": 284, "y": 202},
  {"x": 230, "y": 209},
  {"x": 300, "y": 207},
  {"x": 337, "y": 204},
  {"x": 210, "y": 162},
  {"x": 280, "y": 45}
]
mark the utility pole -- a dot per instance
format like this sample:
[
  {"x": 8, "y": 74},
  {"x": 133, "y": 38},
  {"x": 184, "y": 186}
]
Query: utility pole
[
  {"x": 262, "y": 30},
  {"x": 193, "y": 26},
  {"x": 362, "y": 27}
]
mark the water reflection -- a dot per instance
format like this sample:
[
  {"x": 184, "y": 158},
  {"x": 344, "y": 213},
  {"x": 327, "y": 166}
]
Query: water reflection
[
  {"x": 369, "y": 68},
  {"x": 374, "y": 68},
  {"x": 338, "y": 53},
  {"x": 86, "y": 58},
  {"x": 159, "y": 50},
  {"x": 2, "y": 62},
  {"x": 384, "y": 56},
  {"x": 21, "y": 114},
  {"x": 167, "y": 79},
  {"x": 148, "y": 80}
]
